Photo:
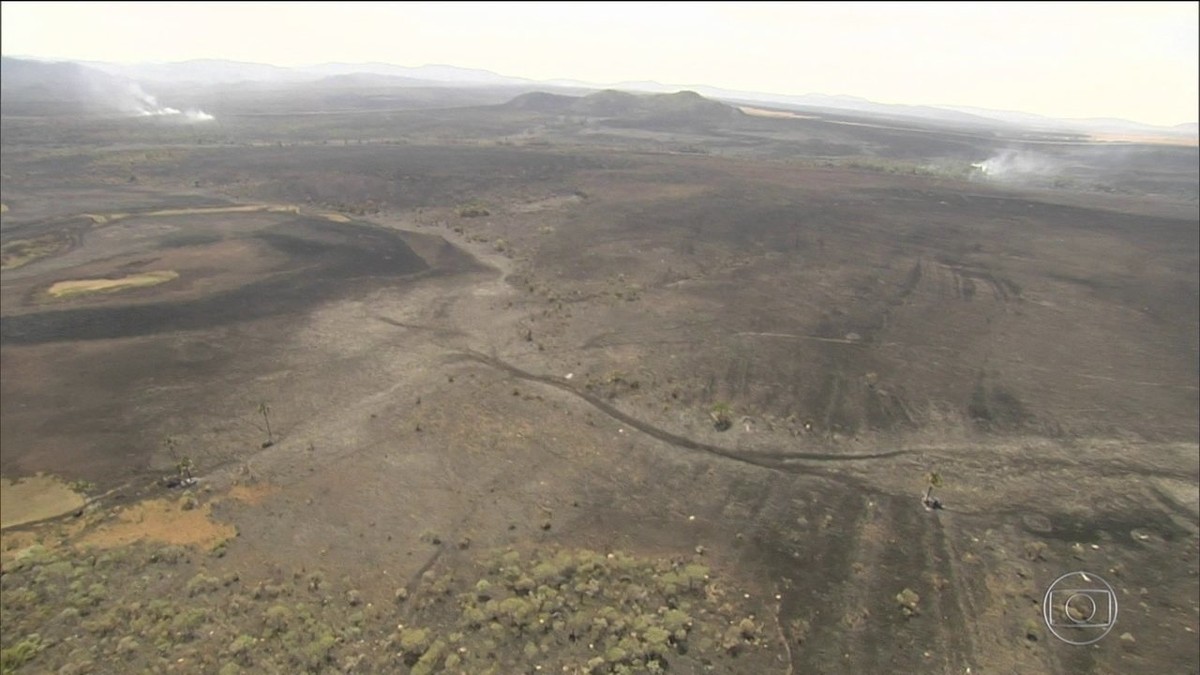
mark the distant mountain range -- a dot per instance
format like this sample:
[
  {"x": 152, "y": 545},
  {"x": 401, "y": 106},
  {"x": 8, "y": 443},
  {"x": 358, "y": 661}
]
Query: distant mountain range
[
  {"x": 70, "y": 88},
  {"x": 678, "y": 107},
  {"x": 97, "y": 79}
]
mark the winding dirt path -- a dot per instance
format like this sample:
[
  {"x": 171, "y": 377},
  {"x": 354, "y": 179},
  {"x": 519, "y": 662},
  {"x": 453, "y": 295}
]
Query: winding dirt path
[{"x": 780, "y": 461}]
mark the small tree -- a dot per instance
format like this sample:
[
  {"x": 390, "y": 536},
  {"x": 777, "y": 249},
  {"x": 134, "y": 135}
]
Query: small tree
[
  {"x": 184, "y": 467},
  {"x": 265, "y": 411},
  {"x": 721, "y": 416},
  {"x": 933, "y": 479},
  {"x": 183, "y": 463}
]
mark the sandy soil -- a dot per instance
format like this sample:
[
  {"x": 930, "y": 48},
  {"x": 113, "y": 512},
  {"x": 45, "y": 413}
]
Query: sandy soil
[
  {"x": 73, "y": 287},
  {"x": 34, "y": 498},
  {"x": 780, "y": 114},
  {"x": 168, "y": 521},
  {"x": 1147, "y": 138}
]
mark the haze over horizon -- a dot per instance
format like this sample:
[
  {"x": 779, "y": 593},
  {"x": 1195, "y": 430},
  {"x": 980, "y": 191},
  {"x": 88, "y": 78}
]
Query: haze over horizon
[{"x": 1135, "y": 61}]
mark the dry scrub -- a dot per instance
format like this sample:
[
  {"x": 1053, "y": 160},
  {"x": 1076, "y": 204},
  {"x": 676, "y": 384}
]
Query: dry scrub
[{"x": 67, "y": 289}]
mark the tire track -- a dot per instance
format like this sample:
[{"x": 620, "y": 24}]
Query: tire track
[{"x": 952, "y": 598}]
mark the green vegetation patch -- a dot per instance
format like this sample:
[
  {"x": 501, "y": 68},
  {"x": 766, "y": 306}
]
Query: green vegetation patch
[
  {"x": 144, "y": 608},
  {"x": 12, "y": 658},
  {"x": 580, "y": 611},
  {"x": 473, "y": 210}
]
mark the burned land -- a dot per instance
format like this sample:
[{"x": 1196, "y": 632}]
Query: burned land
[{"x": 590, "y": 384}]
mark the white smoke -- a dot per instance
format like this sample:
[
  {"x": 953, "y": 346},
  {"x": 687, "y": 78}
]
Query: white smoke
[
  {"x": 1014, "y": 164},
  {"x": 146, "y": 105},
  {"x": 159, "y": 110}
]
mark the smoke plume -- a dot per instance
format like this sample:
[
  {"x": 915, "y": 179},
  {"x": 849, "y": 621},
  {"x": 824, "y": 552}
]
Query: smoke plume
[
  {"x": 1015, "y": 165},
  {"x": 147, "y": 105}
]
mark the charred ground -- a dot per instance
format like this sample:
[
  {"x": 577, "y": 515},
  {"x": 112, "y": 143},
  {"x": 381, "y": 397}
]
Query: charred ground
[{"x": 513, "y": 325}]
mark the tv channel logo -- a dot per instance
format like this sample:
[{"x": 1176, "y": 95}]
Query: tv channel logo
[{"x": 1080, "y": 608}]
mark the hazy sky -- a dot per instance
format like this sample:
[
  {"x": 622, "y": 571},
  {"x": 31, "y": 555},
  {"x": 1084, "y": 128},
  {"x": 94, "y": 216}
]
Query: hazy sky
[{"x": 1132, "y": 60}]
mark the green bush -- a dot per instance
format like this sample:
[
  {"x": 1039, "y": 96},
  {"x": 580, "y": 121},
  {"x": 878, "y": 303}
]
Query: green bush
[
  {"x": 202, "y": 583},
  {"x": 242, "y": 646},
  {"x": 414, "y": 641},
  {"x": 722, "y": 416},
  {"x": 186, "y": 626},
  {"x": 21, "y": 653},
  {"x": 908, "y": 600},
  {"x": 473, "y": 210},
  {"x": 276, "y": 619},
  {"x": 318, "y": 651}
]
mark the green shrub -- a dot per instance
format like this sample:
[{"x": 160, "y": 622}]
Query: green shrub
[
  {"x": 428, "y": 662},
  {"x": 908, "y": 600},
  {"x": 21, "y": 653},
  {"x": 414, "y": 641},
  {"x": 276, "y": 619},
  {"x": 473, "y": 210},
  {"x": 722, "y": 416},
  {"x": 170, "y": 555},
  {"x": 318, "y": 651},
  {"x": 186, "y": 626},
  {"x": 101, "y": 625},
  {"x": 201, "y": 584},
  {"x": 242, "y": 646},
  {"x": 127, "y": 645}
]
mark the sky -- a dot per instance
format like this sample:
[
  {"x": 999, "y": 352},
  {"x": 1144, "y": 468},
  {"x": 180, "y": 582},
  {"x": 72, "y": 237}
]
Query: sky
[{"x": 1136, "y": 61}]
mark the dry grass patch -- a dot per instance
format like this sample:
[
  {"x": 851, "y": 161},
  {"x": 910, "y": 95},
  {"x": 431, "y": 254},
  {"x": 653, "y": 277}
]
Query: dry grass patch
[
  {"x": 21, "y": 252},
  {"x": 66, "y": 289},
  {"x": 29, "y": 500},
  {"x": 253, "y": 494},
  {"x": 109, "y": 218},
  {"x": 245, "y": 208},
  {"x": 763, "y": 112},
  {"x": 105, "y": 219},
  {"x": 1156, "y": 139},
  {"x": 14, "y": 543},
  {"x": 179, "y": 522}
]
